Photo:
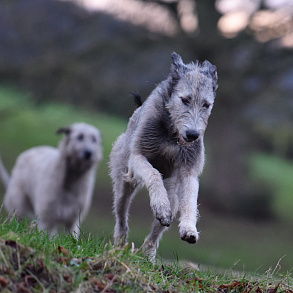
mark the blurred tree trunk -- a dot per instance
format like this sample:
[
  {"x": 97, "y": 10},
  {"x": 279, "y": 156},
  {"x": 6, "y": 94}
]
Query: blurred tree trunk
[{"x": 208, "y": 18}]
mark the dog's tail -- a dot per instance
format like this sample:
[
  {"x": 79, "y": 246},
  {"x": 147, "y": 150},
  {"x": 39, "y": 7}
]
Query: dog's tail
[
  {"x": 3, "y": 173},
  {"x": 137, "y": 99}
]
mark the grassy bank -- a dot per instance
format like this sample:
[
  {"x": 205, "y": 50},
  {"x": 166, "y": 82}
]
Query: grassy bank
[{"x": 30, "y": 261}]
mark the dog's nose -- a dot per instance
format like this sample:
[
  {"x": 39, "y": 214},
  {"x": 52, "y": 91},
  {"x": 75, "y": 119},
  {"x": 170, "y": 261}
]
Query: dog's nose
[
  {"x": 191, "y": 135},
  {"x": 87, "y": 154}
]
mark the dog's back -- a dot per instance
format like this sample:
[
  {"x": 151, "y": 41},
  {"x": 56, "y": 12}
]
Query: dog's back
[{"x": 121, "y": 148}]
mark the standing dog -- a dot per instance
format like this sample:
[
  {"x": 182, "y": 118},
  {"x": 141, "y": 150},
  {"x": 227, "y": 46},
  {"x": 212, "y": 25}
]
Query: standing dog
[
  {"x": 163, "y": 149},
  {"x": 56, "y": 185}
]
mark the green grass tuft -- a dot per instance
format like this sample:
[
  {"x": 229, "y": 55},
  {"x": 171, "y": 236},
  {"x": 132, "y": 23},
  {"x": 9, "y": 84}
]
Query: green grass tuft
[{"x": 31, "y": 261}]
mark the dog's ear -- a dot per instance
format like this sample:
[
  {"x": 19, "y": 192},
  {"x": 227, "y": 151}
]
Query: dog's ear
[
  {"x": 178, "y": 67},
  {"x": 210, "y": 70},
  {"x": 64, "y": 130},
  {"x": 137, "y": 99}
]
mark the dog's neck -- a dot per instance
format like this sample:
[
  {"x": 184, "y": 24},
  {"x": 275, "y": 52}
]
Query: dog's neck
[{"x": 72, "y": 176}]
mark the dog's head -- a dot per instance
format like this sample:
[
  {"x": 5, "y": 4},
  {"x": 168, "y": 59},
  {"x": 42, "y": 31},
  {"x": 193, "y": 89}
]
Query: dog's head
[
  {"x": 191, "y": 94},
  {"x": 81, "y": 146}
]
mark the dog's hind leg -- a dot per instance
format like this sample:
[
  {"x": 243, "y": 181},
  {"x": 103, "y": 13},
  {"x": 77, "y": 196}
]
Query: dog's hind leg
[
  {"x": 17, "y": 201},
  {"x": 75, "y": 228},
  {"x": 151, "y": 243},
  {"x": 124, "y": 192},
  {"x": 43, "y": 225}
]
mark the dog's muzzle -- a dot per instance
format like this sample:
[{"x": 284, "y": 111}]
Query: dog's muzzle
[
  {"x": 189, "y": 138},
  {"x": 87, "y": 155}
]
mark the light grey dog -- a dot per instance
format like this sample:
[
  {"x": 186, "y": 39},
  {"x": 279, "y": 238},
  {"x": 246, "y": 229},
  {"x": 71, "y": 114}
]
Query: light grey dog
[
  {"x": 56, "y": 185},
  {"x": 163, "y": 149}
]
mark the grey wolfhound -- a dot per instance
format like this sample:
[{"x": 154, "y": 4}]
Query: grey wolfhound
[
  {"x": 56, "y": 184},
  {"x": 163, "y": 149}
]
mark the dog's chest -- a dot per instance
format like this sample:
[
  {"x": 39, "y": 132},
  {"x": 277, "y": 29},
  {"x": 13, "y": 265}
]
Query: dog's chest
[
  {"x": 167, "y": 156},
  {"x": 164, "y": 165},
  {"x": 68, "y": 207},
  {"x": 156, "y": 146},
  {"x": 159, "y": 146}
]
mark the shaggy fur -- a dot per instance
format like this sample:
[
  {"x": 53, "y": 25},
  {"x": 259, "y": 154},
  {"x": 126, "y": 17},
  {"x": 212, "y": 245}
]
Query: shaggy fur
[
  {"x": 163, "y": 149},
  {"x": 56, "y": 185}
]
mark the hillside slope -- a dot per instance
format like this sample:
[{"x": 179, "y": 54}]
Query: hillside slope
[{"x": 32, "y": 262}]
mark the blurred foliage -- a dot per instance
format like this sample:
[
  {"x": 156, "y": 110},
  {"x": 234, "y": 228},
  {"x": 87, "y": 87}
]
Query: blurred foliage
[
  {"x": 275, "y": 174},
  {"x": 59, "y": 51}
]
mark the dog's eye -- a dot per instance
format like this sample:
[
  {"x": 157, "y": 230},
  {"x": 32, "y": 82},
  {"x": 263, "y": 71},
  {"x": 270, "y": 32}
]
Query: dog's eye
[
  {"x": 94, "y": 140},
  {"x": 185, "y": 100},
  {"x": 80, "y": 137},
  {"x": 206, "y": 105}
]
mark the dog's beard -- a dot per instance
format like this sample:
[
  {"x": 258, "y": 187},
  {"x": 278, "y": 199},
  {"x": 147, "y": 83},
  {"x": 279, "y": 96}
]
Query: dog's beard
[{"x": 79, "y": 165}]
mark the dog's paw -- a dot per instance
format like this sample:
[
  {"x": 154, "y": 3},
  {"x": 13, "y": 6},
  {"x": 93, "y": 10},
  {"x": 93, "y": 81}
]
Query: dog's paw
[
  {"x": 150, "y": 250},
  {"x": 164, "y": 216},
  {"x": 162, "y": 212},
  {"x": 189, "y": 236},
  {"x": 165, "y": 221},
  {"x": 120, "y": 235}
]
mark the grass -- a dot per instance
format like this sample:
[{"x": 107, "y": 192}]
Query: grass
[{"x": 31, "y": 261}]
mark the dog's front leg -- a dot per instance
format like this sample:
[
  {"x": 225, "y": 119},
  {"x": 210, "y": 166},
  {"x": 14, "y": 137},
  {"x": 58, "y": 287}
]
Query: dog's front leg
[
  {"x": 75, "y": 229},
  {"x": 188, "y": 209},
  {"x": 151, "y": 177}
]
